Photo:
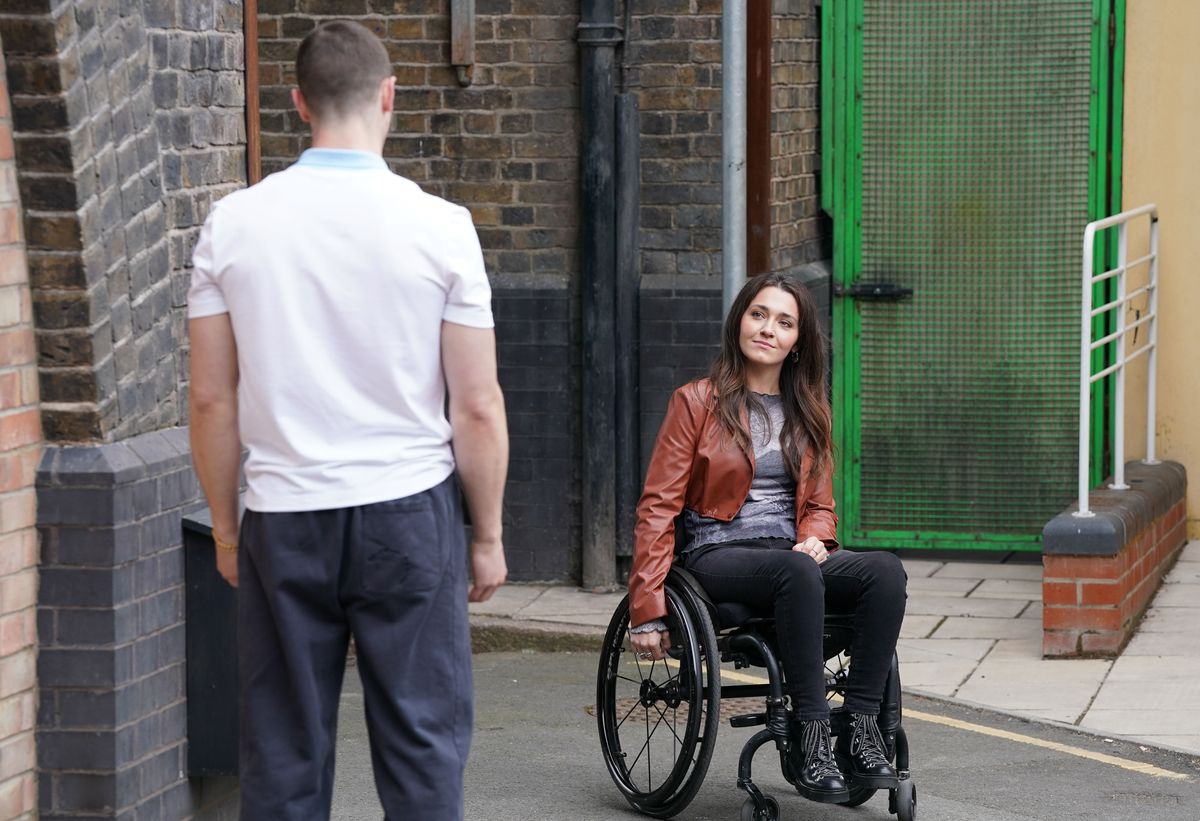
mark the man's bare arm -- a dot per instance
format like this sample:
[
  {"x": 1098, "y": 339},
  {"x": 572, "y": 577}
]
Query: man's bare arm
[
  {"x": 480, "y": 439},
  {"x": 216, "y": 448}
]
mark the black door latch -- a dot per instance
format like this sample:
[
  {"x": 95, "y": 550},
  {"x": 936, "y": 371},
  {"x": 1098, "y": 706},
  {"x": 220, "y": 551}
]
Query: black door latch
[{"x": 873, "y": 290}]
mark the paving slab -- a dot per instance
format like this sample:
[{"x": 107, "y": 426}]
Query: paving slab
[
  {"x": 1190, "y": 552},
  {"x": 935, "y": 679},
  {"x": 1146, "y": 720},
  {"x": 1150, "y": 670},
  {"x": 508, "y": 600},
  {"x": 984, "y": 570},
  {"x": 1160, "y": 644},
  {"x": 1033, "y": 611},
  {"x": 1064, "y": 687},
  {"x": 1024, "y": 589},
  {"x": 1061, "y": 715},
  {"x": 1182, "y": 694},
  {"x": 1027, "y": 649},
  {"x": 1177, "y": 595},
  {"x": 928, "y": 604},
  {"x": 941, "y": 587},
  {"x": 569, "y": 601},
  {"x": 918, "y": 627},
  {"x": 1171, "y": 620},
  {"x": 943, "y": 677},
  {"x": 1189, "y": 744},
  {"x": 920, "y": 568},
  {"x": 932, "y": 650},
  {"x": 588, "y": 619},
  {"x": 1184, "y": 574},
  {"x": 967, "y": 627}
]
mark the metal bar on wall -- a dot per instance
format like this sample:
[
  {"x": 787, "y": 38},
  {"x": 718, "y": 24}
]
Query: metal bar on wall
[
  {"x": 758, "y": 139},
  {"x": 253, "y": 126},
  {"x": 627, "y": 281},
  {"x": 733, "y": 150},
  {"x": 462, "y": 39},
  {"x": 598, "y": 39}
]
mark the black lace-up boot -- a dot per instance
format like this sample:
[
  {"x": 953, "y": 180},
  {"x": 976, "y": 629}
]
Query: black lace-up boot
[
  {"x": 863, "y": 755},
  {"x": 814, "y": 771}
]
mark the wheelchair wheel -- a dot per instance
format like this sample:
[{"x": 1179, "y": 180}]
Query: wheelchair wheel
[
  {"x": 658, "y": 720},
  {"x": 905, "y": 799},
  {"x": 770, "y": 812}
]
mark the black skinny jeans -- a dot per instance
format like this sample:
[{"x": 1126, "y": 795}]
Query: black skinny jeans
[{"x": 759, "y": 572}]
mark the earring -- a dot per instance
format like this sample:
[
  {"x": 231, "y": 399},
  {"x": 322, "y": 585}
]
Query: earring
[{"x": 795, "y": 356}]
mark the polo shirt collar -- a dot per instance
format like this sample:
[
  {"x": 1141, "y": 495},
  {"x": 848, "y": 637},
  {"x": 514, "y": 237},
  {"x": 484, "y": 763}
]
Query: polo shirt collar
[{"x": 343, "y": 158}]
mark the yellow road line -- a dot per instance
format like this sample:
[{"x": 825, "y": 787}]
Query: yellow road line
[
  {"x": 1079, "y": 752},
  {"x": 1103, "y": 758}
]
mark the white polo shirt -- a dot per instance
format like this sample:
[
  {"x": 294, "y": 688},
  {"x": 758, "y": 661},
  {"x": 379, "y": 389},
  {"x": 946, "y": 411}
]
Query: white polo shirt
[{"x": 337, "y": 275}]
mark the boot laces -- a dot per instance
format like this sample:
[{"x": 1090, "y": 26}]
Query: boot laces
[
  {"x": 868, "y": 741},
  {"x": 818, "y": 750}
]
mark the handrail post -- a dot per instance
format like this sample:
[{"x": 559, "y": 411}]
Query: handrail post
[
  {"x": 1119, "y": 400},
  {"x": 1085, "y": 370},
  {"x": 1152, "y": 341}
]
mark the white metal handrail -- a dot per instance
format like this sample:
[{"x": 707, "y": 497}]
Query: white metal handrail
[{"x": 1150, "y": 317}]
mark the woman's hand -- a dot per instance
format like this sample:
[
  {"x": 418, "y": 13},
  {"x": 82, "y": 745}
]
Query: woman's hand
[
  {"x": 651, "y": 645},
  {"x": 814, "y": 547}
]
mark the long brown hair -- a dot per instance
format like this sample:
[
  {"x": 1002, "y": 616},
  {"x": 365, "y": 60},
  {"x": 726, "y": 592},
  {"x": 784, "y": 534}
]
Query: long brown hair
[{"x": 807, "y": 418}]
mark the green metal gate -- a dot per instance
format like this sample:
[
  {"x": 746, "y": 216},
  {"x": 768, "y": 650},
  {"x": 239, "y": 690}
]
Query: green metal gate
[{"x": 965, "y": 146}]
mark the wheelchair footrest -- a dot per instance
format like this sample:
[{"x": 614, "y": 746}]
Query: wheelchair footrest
[{"x": 748, "y": 720}]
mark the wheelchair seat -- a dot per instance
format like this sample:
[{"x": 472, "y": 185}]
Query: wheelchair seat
[
  {"x": 680, "y": 696},
  {"x": 731, "y": 615}
]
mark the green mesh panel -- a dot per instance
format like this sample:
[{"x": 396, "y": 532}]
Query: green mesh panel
[{"x": 975, "y": 157}]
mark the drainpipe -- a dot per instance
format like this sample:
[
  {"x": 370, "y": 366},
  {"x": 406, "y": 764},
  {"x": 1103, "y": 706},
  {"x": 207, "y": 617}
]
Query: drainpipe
[
  {"x": 599, "y": 36},
  {"x": 733, "y": 151}
]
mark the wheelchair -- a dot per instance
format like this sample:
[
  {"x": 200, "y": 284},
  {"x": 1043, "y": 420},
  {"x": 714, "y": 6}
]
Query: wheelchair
[{"x": 658, "y": 719}]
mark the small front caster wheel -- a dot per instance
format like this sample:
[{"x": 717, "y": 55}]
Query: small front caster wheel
[
  {"x": 906, "y": 800},
  {"x": 768, "y": 812}
]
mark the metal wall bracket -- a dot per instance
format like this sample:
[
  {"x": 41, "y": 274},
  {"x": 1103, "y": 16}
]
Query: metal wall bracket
[
  {"x": 462, "y": 39},
  {"x": 600, "y": 34}
]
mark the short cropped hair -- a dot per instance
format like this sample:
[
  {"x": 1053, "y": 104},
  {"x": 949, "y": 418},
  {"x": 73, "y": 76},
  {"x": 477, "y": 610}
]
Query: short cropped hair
[{"x": 339, "y": 67}]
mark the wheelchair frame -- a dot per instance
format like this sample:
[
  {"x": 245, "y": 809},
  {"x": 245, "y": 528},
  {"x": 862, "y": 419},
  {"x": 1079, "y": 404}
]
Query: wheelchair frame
[{"x": 697, "y": 649}]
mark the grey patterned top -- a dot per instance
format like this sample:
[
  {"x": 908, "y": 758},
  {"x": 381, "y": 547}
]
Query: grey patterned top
[{"x": 770, "y": 507}]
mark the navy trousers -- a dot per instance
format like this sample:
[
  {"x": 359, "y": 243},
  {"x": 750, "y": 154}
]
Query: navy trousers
[
  {"x": 767, "y": 572},
  {"x": 393, "y": 576}
]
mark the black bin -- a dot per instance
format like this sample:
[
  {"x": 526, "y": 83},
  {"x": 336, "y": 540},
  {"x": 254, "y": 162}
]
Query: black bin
[{"x": 212, "y": 669}]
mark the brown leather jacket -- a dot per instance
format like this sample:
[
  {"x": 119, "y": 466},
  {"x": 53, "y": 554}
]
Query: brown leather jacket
[{"x": 693, "y": 467}]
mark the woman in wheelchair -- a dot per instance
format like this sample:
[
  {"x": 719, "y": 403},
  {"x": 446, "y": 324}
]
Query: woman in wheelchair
[{"x": 743, "y": 460}]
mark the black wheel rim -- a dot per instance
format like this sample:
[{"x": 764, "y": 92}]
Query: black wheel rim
[{"x": 653, "y": 716}]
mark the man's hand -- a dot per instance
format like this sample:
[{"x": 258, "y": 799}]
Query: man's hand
[
  {"x": 488, "y": 568},
  {"x": 652, "y": 645},
  {"x": 814, "y": 547},
  {"x": 227, "y": 565}
]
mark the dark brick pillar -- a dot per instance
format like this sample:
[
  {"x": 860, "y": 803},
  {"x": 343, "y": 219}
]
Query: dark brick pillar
[
  {"x": 112, "y": 714},
  {"x": 539, "y": 378}
]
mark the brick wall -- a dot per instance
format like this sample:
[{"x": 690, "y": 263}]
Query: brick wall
[
  {"x": 20, "y": 449},
  {"x": 505, "y": 146},
  {"x": 1100, "y": 573},
  {"x": 112, "y": 718},
  {"x": 128, "y": 121},
  {"x": 673, "y": 64},
  {"x": 798, "y": 235}
]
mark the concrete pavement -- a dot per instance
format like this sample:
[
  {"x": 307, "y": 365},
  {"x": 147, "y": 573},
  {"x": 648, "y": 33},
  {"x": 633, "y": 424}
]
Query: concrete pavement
[{"x": 972, "y": 635}]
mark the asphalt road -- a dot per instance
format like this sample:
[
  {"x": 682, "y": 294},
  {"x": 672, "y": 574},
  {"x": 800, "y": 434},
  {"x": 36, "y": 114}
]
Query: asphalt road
[{"x": 536, "y": 755}]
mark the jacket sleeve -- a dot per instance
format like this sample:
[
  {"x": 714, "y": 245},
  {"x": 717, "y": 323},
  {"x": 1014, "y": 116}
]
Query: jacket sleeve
[
  {"x": 662, "y": 500},
  {"x": 818, "y": 518}
]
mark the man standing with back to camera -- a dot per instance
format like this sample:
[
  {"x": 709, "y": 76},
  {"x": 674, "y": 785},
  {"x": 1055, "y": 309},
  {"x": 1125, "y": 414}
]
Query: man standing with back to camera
[{"x": 332, "y": 307}]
